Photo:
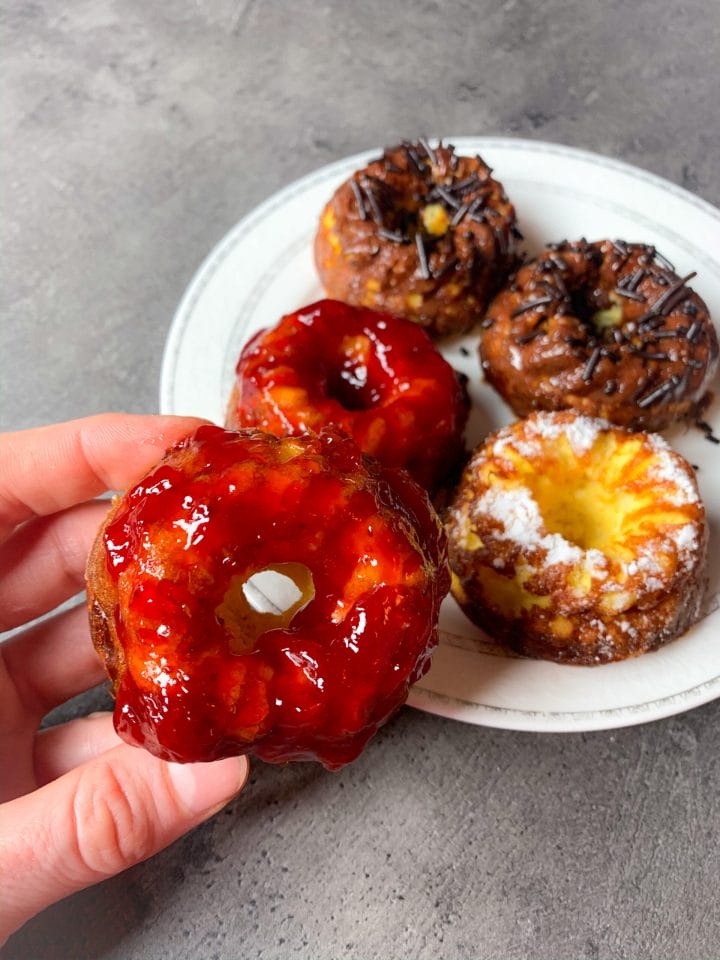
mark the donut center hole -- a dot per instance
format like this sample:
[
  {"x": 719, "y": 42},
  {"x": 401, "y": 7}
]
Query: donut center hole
[
  {"x": 348, "y": 380},
  {"x": 596, "y": 311},
  {"x": 578, "y": 513},
  {"x": 579, "y": 497},
  {"x": 268, "y": 599},
  {"x": 349, "y": 389}
]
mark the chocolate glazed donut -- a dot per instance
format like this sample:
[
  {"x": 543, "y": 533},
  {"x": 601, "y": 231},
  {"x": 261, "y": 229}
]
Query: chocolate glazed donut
[
  {"x": 421, "y": 233},
  {"x": 605, "y": 328}
]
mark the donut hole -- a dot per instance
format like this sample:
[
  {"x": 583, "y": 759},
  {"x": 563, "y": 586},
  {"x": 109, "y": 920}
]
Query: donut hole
[
  {"x": 348, "y": 381},
  {"x": 582, "y": 511},
  {"x": 268, "y": 599},
  {"x": 349, "y": 388},
  {"x": 595, "y": 310},
  {"x": 579, "y": 496}
]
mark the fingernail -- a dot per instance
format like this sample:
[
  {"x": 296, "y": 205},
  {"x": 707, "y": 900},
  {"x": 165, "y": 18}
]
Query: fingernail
[{"x": 202, "y": 787}]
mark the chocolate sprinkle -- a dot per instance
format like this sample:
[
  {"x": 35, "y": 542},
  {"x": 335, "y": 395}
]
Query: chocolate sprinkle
[
  {"x": 395, "y": 236},
  {"x": 458, "y": 215},
  {"x": 649, "y": 322},
  {"x": 432, "y": 156},
  {"x": 449, "y": 199},
  {"x": 693, "y": 331},
  {"x": 500, "y": 240},
  {"x": 592, "y": 363},
  {"x": 707, "y": 430},
  {"x": 665, "y": 303},
  {"x": 678, "y": 332},
  {"x": 663, "y": 261},
  {"x": 683, "y": 382},
  {"x": 462, "y": 186},
  {"x": 631, "y": 281},
  {"x": 422, "y": 257},
  {"x": 655, "y": 394},
  {"x": 529, "y": 337},
  {"x": 411, "y": 154},
  {"x": 372, "y": 200},
  {"x": 359, "y": 199},
  {"x": 446, "y": 268},
  {"x": 530, "y": 305},
  {"x": 473, "y": 208},
  {"x": 630, "y": 294}
]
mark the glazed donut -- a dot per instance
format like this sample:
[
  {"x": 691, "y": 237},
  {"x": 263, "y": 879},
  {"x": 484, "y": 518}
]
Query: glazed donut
[
  {"x": 605, "y": 328},
  {"x": 377, "y": 377},
  {"x": 200, "y": 670},
  {"x": 577, "y": 541},
  {"x": 421, "y": 233}
]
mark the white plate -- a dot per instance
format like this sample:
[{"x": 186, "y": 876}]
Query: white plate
[{"x": 263, "y": 268}]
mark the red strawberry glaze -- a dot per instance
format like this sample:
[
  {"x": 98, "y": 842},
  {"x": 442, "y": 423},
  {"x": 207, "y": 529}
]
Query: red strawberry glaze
[
  {"x": 198, "y": 673},
  {"x": 377, "y": 377}
]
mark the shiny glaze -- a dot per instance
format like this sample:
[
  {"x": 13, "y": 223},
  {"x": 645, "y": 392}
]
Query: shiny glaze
[
  {"x": 221, "y": 506},
  {"x": 541, "y": 348},
  {"x": 377, "y": 377},
  {"x": 377, "y": 247}
]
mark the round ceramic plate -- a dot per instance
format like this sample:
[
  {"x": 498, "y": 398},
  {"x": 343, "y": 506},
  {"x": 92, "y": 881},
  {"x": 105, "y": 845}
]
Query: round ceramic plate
[{"x": 263, "y": 268}]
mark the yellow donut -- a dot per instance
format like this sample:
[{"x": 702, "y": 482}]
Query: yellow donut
[{"x": 577, "y": 541}]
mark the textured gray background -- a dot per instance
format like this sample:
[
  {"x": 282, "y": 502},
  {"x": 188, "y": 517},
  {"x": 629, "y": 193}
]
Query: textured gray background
[{"x": 135, "y": 135}]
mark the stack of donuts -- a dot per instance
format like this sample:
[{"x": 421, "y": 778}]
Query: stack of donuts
[{"x": 575, "y": 534}]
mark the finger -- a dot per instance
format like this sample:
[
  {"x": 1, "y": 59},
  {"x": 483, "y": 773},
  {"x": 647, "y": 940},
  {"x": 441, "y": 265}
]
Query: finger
[
  {"x": 52, "y": 661},
  {"x": 99, "y": 819},
  {"x": 62, "y": 748},
  {"x": 43, "y": 561},
  {"x": 50, "y": 468}
]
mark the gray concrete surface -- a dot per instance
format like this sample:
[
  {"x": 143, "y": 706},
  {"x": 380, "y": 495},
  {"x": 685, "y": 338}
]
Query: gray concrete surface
[{"x": 135, "y": 135}]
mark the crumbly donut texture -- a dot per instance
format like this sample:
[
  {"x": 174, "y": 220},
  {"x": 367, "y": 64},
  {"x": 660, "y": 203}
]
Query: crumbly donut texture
[
  {"x": 376, "y": 377},
  {"x": 577, "y": 541},
  {"x": 200, "y": 670},
  {"x": 421, "y": 233},
  {"x": 605, "y": 328}
]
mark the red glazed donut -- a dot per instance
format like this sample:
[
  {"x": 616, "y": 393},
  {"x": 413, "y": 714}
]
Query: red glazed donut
[
  {"x": 377, "y": 377},
  {"x": 199, "y": 671}
]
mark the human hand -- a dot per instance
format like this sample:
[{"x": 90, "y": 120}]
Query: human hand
[{"x": 76, "y": 804}]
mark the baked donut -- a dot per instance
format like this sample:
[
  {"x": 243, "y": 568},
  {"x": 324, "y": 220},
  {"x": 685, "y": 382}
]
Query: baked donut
[
  {"x": 204, "y": 660},
  {"x": 577, "y": 541},
  {"x": 377, "y": 377},
  {"x": 605, "y": 328},
  {"x": 419, "y": 232}
]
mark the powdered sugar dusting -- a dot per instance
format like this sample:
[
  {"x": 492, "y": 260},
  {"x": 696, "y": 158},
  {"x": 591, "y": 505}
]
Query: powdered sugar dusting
[
  {"x": 581, "y": 433},
  {"x": 669, "y": 467},
  {"x": 685, "y": 539},
  {"x": 520, "y": 516}
]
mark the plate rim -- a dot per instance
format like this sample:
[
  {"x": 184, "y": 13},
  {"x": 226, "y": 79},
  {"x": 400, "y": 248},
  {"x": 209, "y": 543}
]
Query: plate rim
[{"x": 431, "y": 701}]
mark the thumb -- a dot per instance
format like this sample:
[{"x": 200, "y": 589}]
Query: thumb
[{"x": 99, "y": 819}]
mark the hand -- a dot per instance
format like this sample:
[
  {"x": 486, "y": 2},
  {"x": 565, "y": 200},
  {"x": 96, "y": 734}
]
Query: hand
[{"x": 78, "y": 805}]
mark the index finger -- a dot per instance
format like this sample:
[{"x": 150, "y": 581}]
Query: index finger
[{"x": 47, "y": 469}]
